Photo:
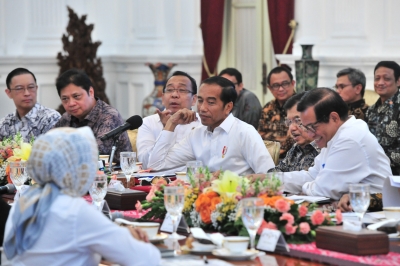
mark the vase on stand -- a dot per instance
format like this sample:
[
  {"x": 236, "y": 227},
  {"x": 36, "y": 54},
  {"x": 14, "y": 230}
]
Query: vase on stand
[
  {"x": 154, "y": 101},
  {"x": 306, "y": 70}
]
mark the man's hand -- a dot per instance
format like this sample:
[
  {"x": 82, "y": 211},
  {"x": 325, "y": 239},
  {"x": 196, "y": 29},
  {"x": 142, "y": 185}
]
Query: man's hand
[
  {"x": 182, "y": 117},
  {"x": 344, "y": 203},
  {"x": 139, "y": 234},
  {"x": 164, "y": 116}
]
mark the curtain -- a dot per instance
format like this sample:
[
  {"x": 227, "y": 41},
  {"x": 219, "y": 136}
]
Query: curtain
[
  {"x": 212, "y": 16},
  {"x": 280, "y": 13}
]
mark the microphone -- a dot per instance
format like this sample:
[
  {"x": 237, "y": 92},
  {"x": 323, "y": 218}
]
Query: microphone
[
  {"x": 7, "y": 189},
  {"x": 133, "y": 122}
]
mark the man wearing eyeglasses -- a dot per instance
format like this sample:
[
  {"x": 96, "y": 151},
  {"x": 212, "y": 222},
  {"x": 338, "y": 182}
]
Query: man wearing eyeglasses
[
  {"x": 272, "y": 122},
  {"x": 179, "y": 92},
  {"x": 350, "y": 153},
  {"x": 350, "y": 85},
  {"x": 247, "y": 106},
  {"x": 302, "y": 154},
  {"x": 31, "y": 119}
]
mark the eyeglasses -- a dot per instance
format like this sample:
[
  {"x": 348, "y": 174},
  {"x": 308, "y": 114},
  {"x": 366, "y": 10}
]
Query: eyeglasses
[
  {"x": 296, "y": 121},
  {"x": 284, "y": 85},
  {"x": 341, "y": 86},
  {"x": 310, "y": 127},
  {"x": 179, "y": 91},
  {"x": 20, "y": 89}
]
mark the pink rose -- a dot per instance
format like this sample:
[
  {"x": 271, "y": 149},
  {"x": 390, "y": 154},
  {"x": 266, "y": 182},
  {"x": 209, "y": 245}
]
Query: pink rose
[
  {"x": 327, "y": 216},
  {"x": 271, "y": 225},
  {"x": 303, "y": 211},
  {"x": 177, "y": 182},
  {"x": 304, "y": 228},
  {"x": 290, "y": 229},
  {"x": 265, "y": 225},
  {"x": 339, "y": 217},
  {"x": 151, "y": 195},
  {"x": 288, "y": 217},
  {"x": 282, "y": 205},
  {"x": 317, "y": 217},
  {"x": 138, "y": 206}
]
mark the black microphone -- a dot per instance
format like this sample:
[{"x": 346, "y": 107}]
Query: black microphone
[
  {"x": 133, "y": 122},
  {"x": 9, "y": 188}
]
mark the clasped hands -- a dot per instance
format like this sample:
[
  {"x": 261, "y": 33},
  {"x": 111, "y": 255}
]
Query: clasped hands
[{"x": 181, "y": 117}]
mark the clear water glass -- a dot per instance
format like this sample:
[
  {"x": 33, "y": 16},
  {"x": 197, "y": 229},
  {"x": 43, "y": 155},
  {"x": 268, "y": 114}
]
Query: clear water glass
[
  {"x": 359, "y": 199},
  {"x": 128, "y": 165},
  {"x": 174, "y": 198},
  {"x": 192, "y": 168},
  {"x": 252, "y": 216},
  {"x": 18, "y": 174},
  {"x": 98, "y": 191}
]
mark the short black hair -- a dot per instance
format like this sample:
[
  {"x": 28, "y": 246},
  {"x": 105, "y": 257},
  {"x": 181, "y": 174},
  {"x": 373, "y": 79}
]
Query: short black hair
[
  {"x": 277, "y": 70},
  {"x": 293, "y": 100},
  {"x": 17, "y": 72},
  {"x": 355, "y": 76},
  {"x": 325, "y": 101},
  {"x": 181, "y": 73},
  {"x": 228, "y": 92},
  {"x": 73, "y": 76},
  {"x": 392, "y": 65},
  {"x": 232, "y": 72}
]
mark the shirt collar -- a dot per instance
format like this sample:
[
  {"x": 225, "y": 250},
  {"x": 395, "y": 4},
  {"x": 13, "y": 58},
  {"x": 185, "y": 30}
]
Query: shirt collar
[
  {"x": 32, "y": 114},
  {"x": 93, "y": 115},
  {"x": 356, "y": 104},
  {"x": 391, "y": 99},
  {"x": 227, "y": 124}
]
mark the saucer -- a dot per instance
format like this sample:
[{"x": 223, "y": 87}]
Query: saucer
[
  {"x": 227, "y": 255},
  {"x": 158, "y": 238}
]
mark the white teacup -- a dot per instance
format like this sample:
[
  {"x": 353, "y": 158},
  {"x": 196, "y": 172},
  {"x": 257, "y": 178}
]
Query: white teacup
[
  {"x": 150, "y": 228},
  {"x": 181, "y": 176},
  {"x": 392, "y": 212},
  {"x": 236, "y": 244},
  {"x": 105, "y": 158}
]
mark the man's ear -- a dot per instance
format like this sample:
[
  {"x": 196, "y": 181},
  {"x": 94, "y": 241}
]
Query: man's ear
[
  {"x": 91, "y": 91},
  {"x": 358, "y": 88},
  {"x": 194, "y": 100},
  {"x": 8, "y": 92},
  {"x": 228, "y": 108}
]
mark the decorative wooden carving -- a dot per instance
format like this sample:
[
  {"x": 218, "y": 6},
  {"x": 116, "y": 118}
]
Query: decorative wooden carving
[{"x": 80, "y": 52}]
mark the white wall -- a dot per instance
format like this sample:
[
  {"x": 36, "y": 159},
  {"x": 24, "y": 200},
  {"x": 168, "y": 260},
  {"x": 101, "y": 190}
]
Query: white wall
[
  {"x": 132, "y": 33},
  {"x": 356, "y": 33}
]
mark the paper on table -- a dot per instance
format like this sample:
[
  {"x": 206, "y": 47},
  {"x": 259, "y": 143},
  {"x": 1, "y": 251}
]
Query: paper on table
[
  {"x": 154, "y": 174},
  {"x": 313, "y": 199}
]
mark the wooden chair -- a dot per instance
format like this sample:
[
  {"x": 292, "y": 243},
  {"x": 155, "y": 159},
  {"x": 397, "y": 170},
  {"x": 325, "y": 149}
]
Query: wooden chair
[
  {"x": 132, "y": 134},
  {"x": 274, "y": 148}
]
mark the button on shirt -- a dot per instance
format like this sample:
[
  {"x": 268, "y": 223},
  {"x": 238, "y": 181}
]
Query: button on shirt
[
  {"x": 37, "y": 121},
  {"x": 352, "y": 156},
  {"x": 234, "y": 145},
  {"x": 149, "y": 132}
]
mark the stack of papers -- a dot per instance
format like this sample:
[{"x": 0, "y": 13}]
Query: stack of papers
[{"x": 312, "y": 199}]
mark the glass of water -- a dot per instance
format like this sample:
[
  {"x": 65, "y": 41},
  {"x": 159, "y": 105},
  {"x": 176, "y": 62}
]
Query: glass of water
[
  {"x": 18, "y": 174},
  {"x": 252, "y": 216},
  {"x": 128, "y": 165},
  {"x": 359, "y": 199},
  {"x": 98, "y": 191},
  {"x": 192, "y": 168},
  {"x": 174, "y": 198}
]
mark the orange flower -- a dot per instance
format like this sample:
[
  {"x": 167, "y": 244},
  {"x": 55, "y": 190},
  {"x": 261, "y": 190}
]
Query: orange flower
[
  {"x": 206, "y": 204},
  {"x": 270, "y": 201}
]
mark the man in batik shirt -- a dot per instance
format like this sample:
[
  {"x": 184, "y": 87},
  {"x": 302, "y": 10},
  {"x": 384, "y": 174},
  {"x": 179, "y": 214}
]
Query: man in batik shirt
[
  {"x": 301, "y": 155},
  {"x": 83, "y": 109},
  {"x": 31, "y": 119},
  {"x": 383, "y": 117},
  {"x": 272, "y": 122},
  {"x": 350, "y": 85}
]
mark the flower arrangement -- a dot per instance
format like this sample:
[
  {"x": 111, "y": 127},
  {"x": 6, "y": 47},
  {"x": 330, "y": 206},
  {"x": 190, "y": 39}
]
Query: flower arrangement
[
  {"x": 12, "y": 149},
  {"x": 212, "y": 201}
]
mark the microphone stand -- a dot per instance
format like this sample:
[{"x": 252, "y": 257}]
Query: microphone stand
[{"x": 114, "y": 147}]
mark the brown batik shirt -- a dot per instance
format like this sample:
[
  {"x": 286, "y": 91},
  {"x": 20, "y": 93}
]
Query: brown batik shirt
[
  {"x": 358, "y": 109},
  {"x": 272, "y": 126},
  {"x": 101, "y": 119}
]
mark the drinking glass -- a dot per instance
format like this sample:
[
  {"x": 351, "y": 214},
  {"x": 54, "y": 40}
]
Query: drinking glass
[
  {"x": 192, "y": 168},
  {"x": 18, "y": 174},
  {"x": 174, "y": 198},
  {"x": 252, "y": 216},
  {"x": 98, "y": 191},
  {"x": 128, "y": 165},
  {"x": 359, "y": 199}
]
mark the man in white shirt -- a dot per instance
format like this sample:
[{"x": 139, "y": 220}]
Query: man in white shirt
[
  {"x": 223, "y": 142},
  {"x": 180, "y": 91},
  {"x": 350, "y": 153}
]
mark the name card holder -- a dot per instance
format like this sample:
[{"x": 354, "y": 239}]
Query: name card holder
[
  {"x": 272, "y": 240},
  {"x": 166, "y": 226}
]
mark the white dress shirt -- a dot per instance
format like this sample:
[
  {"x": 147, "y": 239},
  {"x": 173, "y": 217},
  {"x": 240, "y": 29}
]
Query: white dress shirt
[
  {"x": 77, "y": 234},
  {"x": 150, "y": 130},
  {"x": 352, "y": 156},
  {"x": 234, "y": 145}
]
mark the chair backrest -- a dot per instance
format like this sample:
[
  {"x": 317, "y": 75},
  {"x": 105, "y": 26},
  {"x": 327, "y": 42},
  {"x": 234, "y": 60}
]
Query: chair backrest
[
  {"x": 274, "y": 148},
  {"x": 132, "y": 134}
]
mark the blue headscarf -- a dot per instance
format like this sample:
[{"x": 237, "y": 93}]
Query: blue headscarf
[{"x": 64, "y": 160}]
